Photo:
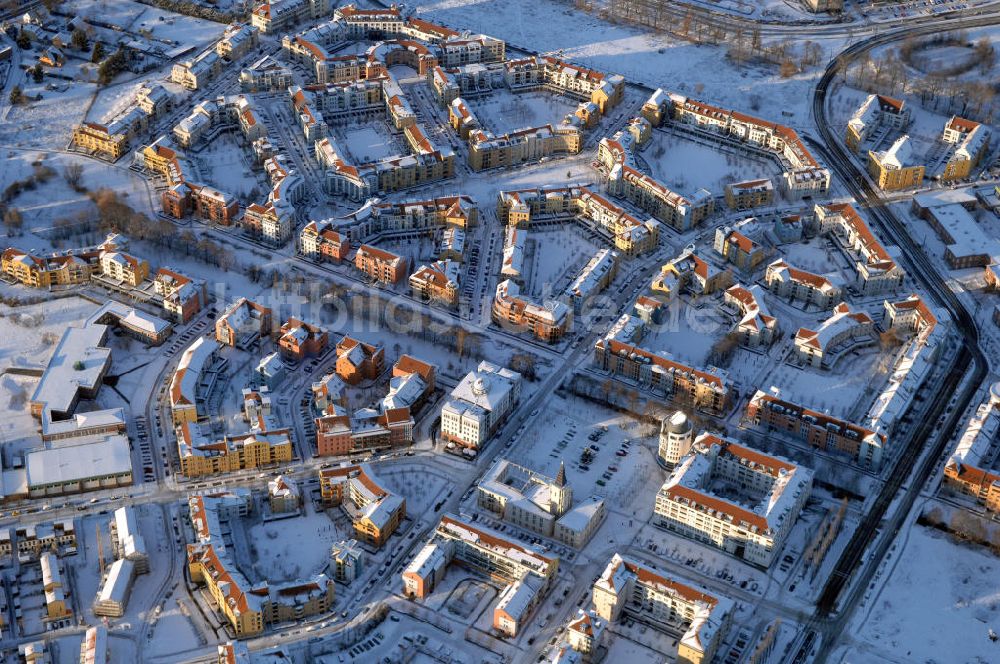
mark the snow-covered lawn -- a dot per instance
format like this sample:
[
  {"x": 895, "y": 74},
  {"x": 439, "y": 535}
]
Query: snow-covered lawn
[
  {"x": 503, "y": 111},
  {"x": 368, "y": 143},
  {"x": 556, "y": 256},
  {"x": 294, "y": 548},
  {"x": 939, "y": 604},
  {"x": 686, "y": 165},
  {"x": 227, "y": 167},
  {"x": 846, "y": 391},
  {"x": 688, "y": 330}
]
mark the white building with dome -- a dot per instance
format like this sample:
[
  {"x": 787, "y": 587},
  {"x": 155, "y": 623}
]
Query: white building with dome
[
  {"x": 478, "y": 404},
  {"x": 676, "y": 436}
]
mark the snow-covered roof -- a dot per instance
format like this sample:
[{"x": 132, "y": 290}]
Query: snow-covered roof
[
  {"x": 74, "y": 463},
  {"x": 78, "y": 363},
  {"x": 517, "y": 598},
  {"x": 127, "y": 532},
  {"x": 116, "y": 585},
  {"x": 486, "y": 387},
  {"x": 898, "y": 155}
]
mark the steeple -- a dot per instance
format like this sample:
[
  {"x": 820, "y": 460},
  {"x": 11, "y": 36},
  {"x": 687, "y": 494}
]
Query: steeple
[{"x": 561, "y": 476}]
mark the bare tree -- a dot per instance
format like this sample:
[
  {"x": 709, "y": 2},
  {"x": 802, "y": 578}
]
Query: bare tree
[{"x": 73, "y": 174}]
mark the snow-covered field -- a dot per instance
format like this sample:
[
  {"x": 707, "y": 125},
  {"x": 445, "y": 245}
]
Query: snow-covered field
[
  {"x": 54, "y": 199},
  {"x": 939, "y": 605},
  {"x": 657, "y": 61}
]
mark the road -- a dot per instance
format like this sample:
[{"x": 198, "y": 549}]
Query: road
[{"x": 968, "y": 369}]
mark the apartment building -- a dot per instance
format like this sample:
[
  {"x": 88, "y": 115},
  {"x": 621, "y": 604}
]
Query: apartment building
[
  {"x": 242, "y": 323},
  {"x": 487, "y": 150},
  {"x": 382, "y": 266},
  {"x": 112, "y": 596},
  {"x": 689, "y": 504},
  {"x": 897, "y": 167},
  {"x": 110, "y": 139},
  {"x": 630, "y": 236},
  {"x": 412, "y": 382},
  {"x": 518, "y": 208},
  {"x": 299, "y": 340},
  {"x": 339, "y": 433},
  {"x": 969, "y": 471},
  {"x": 453, "y": 213},
  {"x": 605, "y": 91},
  {"x": 755, "y": 325},
  {"x": 800, "y": 286},
  {"x": 58, "y": 537},
  {"x": 820, "y": 430},
  {"x": 452, "y": 245},
  {"x": 428, "y": 163},
  {"x": 202, "y": 454},
  {"x": 269, "y": 223},
  {"x": 479, "y": 404},
  {"x": 676, "y": 438},
  {"x": 749, "y": 194},
  {"x": 154, "y": 100},
  {"x": 436, "y": 282},
  {"x": 548, "y": 322},
  {"x": 357, "y": 361},
  {"x": 247, "y": 607},
  {"x": 319, "y": 241},
  {"x": 101, "y": 139},
  {"x": 686, "y": 387},
  {"x": 198, "y": 71},
  {"x": 374, "y": 511},
  {"x": 512, "y": 258},
  {"x": 93, "y": 649},
  {"x": 347, "y": 560},
  {"x": 876, "y": 113},
  {"x": 877, "y": 270},
  {"x": 266, "y": 75},
  {"x": 389, "y": 424},
  {"x": 843, "y": 331},
  {"x": 283, "y": 495},
  {"x": 804, "y": 175},
  {"x": 630, "y": 588},
  {"x": 920, "y": 330},
  {"x": 237, "y": 40},
  {"x": 692, "y": 274},
  {"x": 596, "y": 275},
  {"x": 738, "y": 249},
  {"x": 658, "y": 108},
  {"x": 970, "y": 142},
  {"x": 278, "y": 15},
  {"x": 182, "y": 296},
  {"x": 127, "y": 541},
  {"x": 616, "y": 157},
  {"x": 70, "y": 267},
  {"x": 119, "y": 266},
  {"x": 57, "y": 608},
  {"x": 528, "y": 573}
]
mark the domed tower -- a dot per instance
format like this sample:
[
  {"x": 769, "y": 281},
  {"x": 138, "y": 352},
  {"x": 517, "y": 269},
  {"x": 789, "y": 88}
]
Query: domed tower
[
  {"x": 676, "y": 436},
  {"x": 560, "y": 493}
]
